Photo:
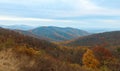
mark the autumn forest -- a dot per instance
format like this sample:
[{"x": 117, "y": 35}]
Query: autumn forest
[{"x": 20, "y": 52}]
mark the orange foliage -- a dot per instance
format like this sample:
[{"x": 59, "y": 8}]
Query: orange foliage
[
  {"x": 89, "y": 60},
  {"x": 29, "y": 51}
]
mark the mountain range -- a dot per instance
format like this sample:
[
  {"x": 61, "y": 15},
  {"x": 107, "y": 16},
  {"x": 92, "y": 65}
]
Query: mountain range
[
  {"x": 72, "y": 36},
  {"x": 51, "y": 33}
]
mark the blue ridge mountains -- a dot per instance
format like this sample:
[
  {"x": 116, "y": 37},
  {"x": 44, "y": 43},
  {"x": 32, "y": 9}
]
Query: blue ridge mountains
[{"x": 51, "y": 33}]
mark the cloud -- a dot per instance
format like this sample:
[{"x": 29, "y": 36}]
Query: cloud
[
  {"x": 55, "y": 8},
  {"x": 86, "y": 5},
  {"x": 8, "y": 18}
]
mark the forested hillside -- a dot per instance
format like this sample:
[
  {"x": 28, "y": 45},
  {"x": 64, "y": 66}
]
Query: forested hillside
[
  {"x": 108, "y": 38},
  {"x": 58, "y": 33}
]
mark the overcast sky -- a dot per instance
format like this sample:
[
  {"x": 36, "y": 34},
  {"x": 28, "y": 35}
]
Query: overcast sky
[{"x": 63, "y": 13}]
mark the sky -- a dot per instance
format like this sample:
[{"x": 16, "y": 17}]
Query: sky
[{"x": 82, "y": 14}]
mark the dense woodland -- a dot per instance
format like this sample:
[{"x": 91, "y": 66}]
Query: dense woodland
[{"x": 19, "y": 52}]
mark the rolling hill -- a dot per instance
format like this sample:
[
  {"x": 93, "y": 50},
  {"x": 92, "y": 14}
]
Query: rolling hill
[
  {"x": 58, "y": 34},
  {"x": 108, "y": 38}
]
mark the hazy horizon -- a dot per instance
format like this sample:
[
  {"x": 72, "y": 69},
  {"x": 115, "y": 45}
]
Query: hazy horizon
[{"x": 29, "y": 27}]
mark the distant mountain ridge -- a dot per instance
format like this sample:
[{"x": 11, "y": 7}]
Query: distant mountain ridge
[
  {"x": 58, "y": 33},
  {"x": 18, "y": 27}
]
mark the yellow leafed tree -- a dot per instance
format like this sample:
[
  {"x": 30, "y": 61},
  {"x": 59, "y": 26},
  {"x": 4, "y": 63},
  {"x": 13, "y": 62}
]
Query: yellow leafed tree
[{"x": 89, "y": 60}]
